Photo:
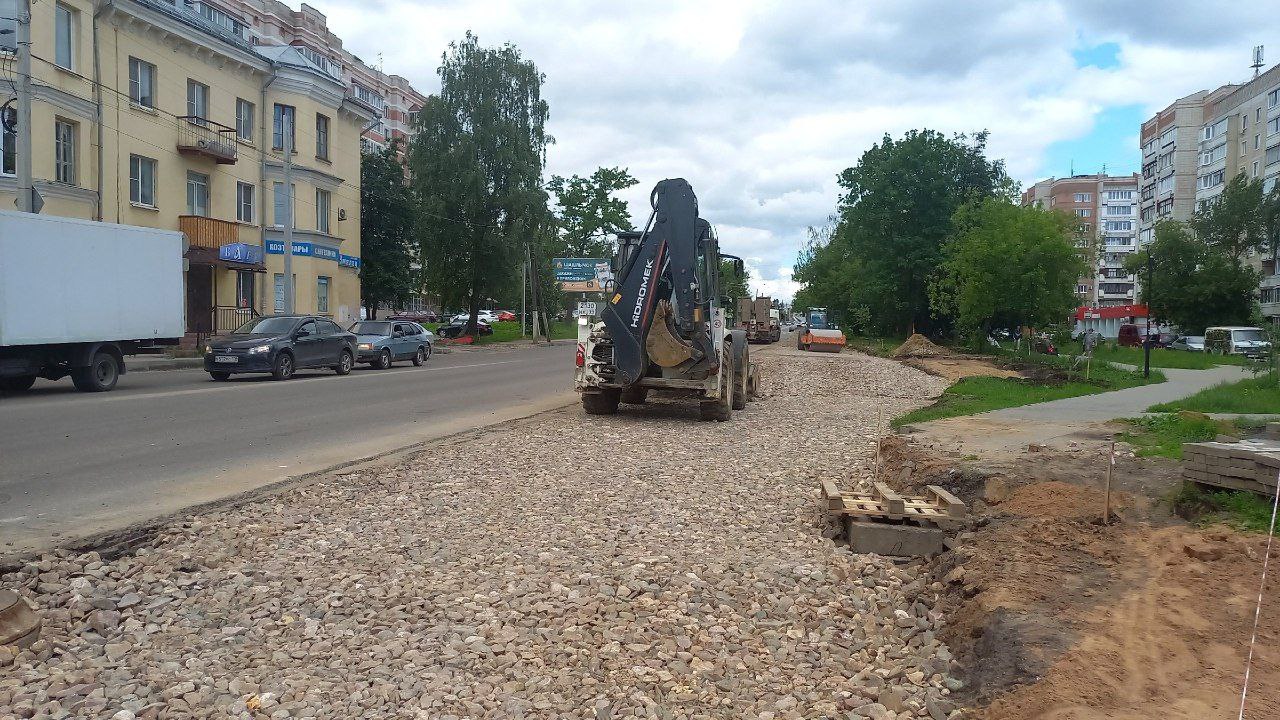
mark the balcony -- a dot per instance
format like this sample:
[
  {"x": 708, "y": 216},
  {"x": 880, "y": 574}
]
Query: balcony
[
  {"x": 205, "y": 232},
  {"x": 198, "y": 136}
]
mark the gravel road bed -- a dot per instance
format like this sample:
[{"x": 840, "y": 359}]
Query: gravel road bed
[{"x": 642, "y": 565}]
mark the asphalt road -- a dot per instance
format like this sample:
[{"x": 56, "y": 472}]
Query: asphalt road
[{"x": 75, "y": 464}]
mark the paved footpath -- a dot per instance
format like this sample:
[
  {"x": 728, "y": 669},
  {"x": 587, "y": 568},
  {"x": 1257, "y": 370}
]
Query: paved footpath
[{"x": 1124, "y": 403}]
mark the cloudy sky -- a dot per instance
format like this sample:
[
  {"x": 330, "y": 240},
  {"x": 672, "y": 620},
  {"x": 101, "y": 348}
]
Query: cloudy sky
[{"x": 759, "y": 104}]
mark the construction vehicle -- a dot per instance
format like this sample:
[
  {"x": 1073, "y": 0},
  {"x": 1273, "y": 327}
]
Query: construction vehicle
[
  {"x": 818, "y": 334},
  {"x": 665, "y": 328},
  {"x": 756, "y": 319}
]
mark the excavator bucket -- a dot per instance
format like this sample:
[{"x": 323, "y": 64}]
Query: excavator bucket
[{"x": 823, "y": 340}]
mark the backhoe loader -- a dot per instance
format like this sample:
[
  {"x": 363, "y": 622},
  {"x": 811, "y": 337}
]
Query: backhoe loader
[{"x": 664, "y": 326}]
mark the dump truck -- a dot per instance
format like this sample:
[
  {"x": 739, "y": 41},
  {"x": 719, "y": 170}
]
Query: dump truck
[
  {"x": 77, "y": 296},
  {"x": 757, "y": 319},
  {"x": 818, "y": 333},
  {"x": 665, "y": 326}
]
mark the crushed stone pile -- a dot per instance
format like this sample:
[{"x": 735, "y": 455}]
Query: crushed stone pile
[
  {"x": 501, "y": 576},
  {"x": 919, "y": 346}
]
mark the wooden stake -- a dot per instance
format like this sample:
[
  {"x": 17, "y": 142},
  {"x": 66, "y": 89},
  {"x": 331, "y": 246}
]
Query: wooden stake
[
  {"x": 1111, "y": 464},
  {"x": 879, "y": 417}
]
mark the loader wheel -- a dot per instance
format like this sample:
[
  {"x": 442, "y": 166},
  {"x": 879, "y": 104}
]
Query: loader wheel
[
  {"x": 635, "y": 395},
  {"x": 741, "y": 392},
  {"x": 601, "y": 402},
  {"x": 720, "y": 409}
]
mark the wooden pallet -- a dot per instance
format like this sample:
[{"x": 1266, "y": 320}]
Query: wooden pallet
[{"x": 886, "y": 505}]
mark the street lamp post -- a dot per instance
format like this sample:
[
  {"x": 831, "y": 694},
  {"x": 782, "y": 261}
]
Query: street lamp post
[{"x": 1146, "y": 345}]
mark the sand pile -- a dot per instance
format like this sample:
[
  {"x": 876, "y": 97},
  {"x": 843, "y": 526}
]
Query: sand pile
[{"x": 919, "y": 346}]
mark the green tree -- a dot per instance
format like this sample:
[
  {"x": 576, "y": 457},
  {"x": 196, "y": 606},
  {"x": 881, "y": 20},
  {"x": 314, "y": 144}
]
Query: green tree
[
  {"x": 1236, "y": 220},
  {"x": 733, "y": 284},
  {"x": 1193, "y": 283},
  {"x": 588, "y": 212},
  {"x": 386, "y": 229},
  {"x": 477, "y": 163},
  {"x": 1008, "y": 266},
  {"x": 892, "y": 221}
]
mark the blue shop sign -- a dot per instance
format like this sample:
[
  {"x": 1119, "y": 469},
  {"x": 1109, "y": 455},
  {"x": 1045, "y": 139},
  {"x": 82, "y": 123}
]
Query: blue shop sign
[
  {"x": 350, "y": 261},
  {"x": 326, "y": 252},
  {"x": 241, "y": 253},
  {"x": 276, "y": 247}
]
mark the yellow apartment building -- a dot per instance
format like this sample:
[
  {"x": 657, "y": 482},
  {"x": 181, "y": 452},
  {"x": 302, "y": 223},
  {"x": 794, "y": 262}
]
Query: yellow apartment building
[{"x": 147, "y": 112}]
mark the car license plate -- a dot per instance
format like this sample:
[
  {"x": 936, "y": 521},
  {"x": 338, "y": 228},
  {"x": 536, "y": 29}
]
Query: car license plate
[{"x": 226, "y": 359}]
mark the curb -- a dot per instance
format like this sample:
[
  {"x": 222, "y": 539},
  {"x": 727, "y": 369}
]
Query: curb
[{"x": 161, "y": 364}]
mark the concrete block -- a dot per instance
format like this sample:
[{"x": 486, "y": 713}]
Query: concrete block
[{"x": 893, "y": 540}]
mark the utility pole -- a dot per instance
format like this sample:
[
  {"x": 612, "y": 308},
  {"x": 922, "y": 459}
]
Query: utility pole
[
  {"x": 286, "y": 142},
  {"x": 524, "y": 292},
  {"x": 25, "y": 185}
]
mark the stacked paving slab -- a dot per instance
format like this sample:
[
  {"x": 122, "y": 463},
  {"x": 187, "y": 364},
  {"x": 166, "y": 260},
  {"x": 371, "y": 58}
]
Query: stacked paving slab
[{"x": 1251, "y": 465}]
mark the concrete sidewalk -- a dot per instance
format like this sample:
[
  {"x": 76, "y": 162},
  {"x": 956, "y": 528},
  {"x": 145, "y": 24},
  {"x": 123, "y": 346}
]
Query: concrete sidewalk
[{"x": 1124, "y": 403}]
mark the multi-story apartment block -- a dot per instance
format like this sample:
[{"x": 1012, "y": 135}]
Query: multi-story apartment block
[
  {"x": 1192, "y": 149},
  {"x": 1241, "y": 136},
  {"x": 152, "y": 113},
  {"x": 270, "y": 22},
  {"x": 1106, "y": 209}
]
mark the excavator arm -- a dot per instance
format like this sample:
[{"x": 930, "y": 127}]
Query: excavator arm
[{"x": 664, "y": 261}]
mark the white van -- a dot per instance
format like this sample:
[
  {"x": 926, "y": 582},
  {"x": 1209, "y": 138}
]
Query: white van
[{"x": 1234, "y": 340}]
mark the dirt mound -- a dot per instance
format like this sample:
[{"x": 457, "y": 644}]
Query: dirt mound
[
  {"x": 1055, "y": 499},
  {"x": 919, "y": 346}
]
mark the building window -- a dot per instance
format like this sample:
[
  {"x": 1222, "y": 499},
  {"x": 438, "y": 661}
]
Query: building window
[
  {"x": 244, "y": 119},
  {"x": 142, "y": 180},
  {"x": 197, "y": 101},
  {"x": 1119, "y": 209},
  {"x": 281, "y": 209},
  {"x": 1119, "y": 194},
  {"x": 244, "y": 202},
  {"x": 1212, "y": 180},
  {"x": 245, "y": 290},
  {"x": 64, "y": 36},
  {"x": 322, "y": 137},
  {"x": 1120, "y": 225},
  {"x": 8, "y": 26},
  {"x": 223, "y": 20},
  {"x": 64, "y": 151},
  {"x": 1081, "y": 289},
  {"x": 8, "y": 151},
  {"x": 1083, "y": 197},
  {"x": 142, "y": 82},
  {"x": 1272, "y": 156},
  {"x": 284, "y": 115},
  {"x": 322, "y": 294},
  {"x": 1273, "y": 126},
  {"x": 1273, "y": 98},
  {"x": 1083, "y": 212},
  {"x": 279, "y": 292},
  {"x": 323, "y": 201},
  {"x": 197, "y": 194}
]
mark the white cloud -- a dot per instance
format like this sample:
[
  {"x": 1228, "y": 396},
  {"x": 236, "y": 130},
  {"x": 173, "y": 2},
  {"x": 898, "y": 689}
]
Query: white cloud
[{"x": 760, "y": 103}]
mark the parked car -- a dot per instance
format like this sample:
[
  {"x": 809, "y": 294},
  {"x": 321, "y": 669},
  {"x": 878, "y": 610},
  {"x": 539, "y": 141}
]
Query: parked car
[
  {"x": 381, "y": 342},
  {"x": 279, "y": 345},
  {"x": 1129, "y": 336},
  {"x": 1192, "y": 343},
  {"x": 1236, "y": 340},
  {"x": 455, "y": 327},
  {"x": 486, "y": 316},
  {"x": 420, "y": 316},
  {"x": 506, "y": 316}
]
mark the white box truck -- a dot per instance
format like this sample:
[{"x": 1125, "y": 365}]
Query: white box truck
[{"x": 76, "y": 296}]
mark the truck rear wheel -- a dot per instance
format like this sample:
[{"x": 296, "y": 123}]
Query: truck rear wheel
[
  {"x": 100, "y": 376},
  {"x": 601, "y": 402},
  {"x": 22, "y": 383},
  {"x": 635, "y": 395}
]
